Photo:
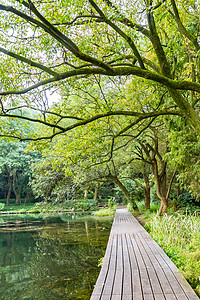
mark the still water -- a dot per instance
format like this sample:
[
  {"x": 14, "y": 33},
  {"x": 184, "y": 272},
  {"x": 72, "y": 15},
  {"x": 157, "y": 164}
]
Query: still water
[{"x": 51, "y": 257}]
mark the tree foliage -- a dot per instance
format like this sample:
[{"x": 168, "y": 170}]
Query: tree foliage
[{"x": 49, "y": 46}]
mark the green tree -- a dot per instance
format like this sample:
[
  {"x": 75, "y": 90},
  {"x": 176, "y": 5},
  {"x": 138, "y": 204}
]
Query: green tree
[
  {"x": 15, "y": 165},
  {"x": 50, "y": 182}
]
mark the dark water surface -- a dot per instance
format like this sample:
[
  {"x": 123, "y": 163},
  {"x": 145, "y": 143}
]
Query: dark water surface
[{"x": 51, "y": 257}]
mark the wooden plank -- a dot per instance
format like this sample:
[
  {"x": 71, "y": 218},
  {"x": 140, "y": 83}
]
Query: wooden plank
[
  {"x": 145, "y": 282},
  {"x": 95, "y": 297},
  {"x": 170, "y": 297},
  {"x": 127, "y": 280},
  {"x": 119, "y": 262},
  {"x": 136, "y": 282},
  {"x": 176, "y": 280},
  {"x": 164, "y": 281},
  {"x": 127, "y": 283},
  {"x": 158, "y": 262},
  {"x": 148, "y": 297},
  {"x": 137, "y": 296},
  {"x": 159, "y": 297},
  {"x": 181, "y": 296},
  {"x": 118, "y": 281},
  {"x": 186, "y": 287},
  {"x": 107, "y": 290},
  {"x": 126, "y": 297},
  {"x": 116, "y": 297},
  {"x": 155, "y": 284},
  {"x": 113, "y": 255},
  {"x": 104, "y": 297}
]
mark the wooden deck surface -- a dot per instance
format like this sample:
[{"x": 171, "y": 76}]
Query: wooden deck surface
[{"x": 136, "y": 268}]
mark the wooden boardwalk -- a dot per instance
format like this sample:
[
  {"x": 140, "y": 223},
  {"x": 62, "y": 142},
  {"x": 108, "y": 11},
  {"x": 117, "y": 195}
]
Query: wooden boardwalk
[{"x": 136, "y": 268}]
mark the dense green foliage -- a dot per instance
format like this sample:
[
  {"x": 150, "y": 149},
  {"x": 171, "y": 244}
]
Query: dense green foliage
[{"x": 55, "y": 44}]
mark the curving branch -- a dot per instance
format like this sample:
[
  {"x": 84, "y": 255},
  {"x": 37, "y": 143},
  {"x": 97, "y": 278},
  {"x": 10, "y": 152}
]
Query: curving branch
[
  {"x": 181, "y": 27},
  {"x": 28, "y": 61},
  {"x": 55, "y": 126},
  {"x": 61, "y": 129},
  {"x": 116, "y": 71}
]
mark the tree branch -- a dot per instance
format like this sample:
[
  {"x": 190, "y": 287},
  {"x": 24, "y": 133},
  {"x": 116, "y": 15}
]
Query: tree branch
[
  {"x": 29, "y": 61},
  {"x": 54, "y": 32},
  {"x": 181, "y": 27},
  {"x": 120, "y": 32},
  {"x": 117, "y": 71},
  {"x": 127, "y": 21}
]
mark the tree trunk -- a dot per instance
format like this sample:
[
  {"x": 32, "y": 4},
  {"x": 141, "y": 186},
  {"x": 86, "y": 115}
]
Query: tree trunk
[
  {"x": 95, "y": 192},
  {"x": 17, "y": 196},
  {"x": 9, "y": 190},
  {"x": 161, "y": 183},
  {"x": 124, "y": 191},
  {"x": 9, "y": 186},
  {"x": 147, "y": 196},
  {"x": 27, "y": 197},
  {"x": 86, "y": 193},
  {"x": 146, "y": 188},
  {"x": 163, "y": 206},
  {"x": 162, "y": 193}
]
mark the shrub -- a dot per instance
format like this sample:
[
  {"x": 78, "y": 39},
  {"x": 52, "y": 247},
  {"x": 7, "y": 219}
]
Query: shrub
[
  {"x": 2, "y": 205},
  {"x": 104, "y": 212},
  {"x": 85, "y": 204},
  {"x": 188, "y": 202}
]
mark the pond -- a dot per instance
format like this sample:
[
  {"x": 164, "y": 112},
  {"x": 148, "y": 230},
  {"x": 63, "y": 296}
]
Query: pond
[{"x": 51, "y": 257}]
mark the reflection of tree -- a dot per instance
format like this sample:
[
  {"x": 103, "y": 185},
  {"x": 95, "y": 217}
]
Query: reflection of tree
[
  {"x": 65, "y": 262},
  {"x": 59, "y": 262},
  {"x": 15, "y": 257}
]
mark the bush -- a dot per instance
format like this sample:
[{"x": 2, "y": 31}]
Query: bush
[
  {"x": 85, "y": 205},
  {"x": 187, "y": 201},
  {"x": 104, "y": 212},
  {"x": 2, "y": 205},
  {"x": 111, "y": 202}
]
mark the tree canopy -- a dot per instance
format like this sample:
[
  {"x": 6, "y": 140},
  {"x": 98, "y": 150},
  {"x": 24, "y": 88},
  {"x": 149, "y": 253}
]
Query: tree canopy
[{"x": 51, "y": 45}]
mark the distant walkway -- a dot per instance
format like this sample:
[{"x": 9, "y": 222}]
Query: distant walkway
[{"x": 136, "y": 268}]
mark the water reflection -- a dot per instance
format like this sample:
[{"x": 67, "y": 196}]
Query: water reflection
[{"x": 57, "y": 261}]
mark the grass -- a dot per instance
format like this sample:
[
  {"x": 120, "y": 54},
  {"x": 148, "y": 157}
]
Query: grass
[
  {"x": 42, "y": 207},
  {"x": 17, "y": 208},
  {"x": 179, "y": 237},
  {"x": 144, "y": 215},
  {"x": 32, "y": 208}
]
